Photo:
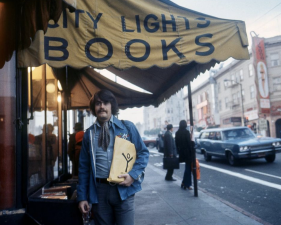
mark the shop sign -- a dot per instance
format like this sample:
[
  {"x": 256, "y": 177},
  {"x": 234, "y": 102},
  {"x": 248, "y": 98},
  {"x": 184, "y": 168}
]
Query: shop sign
[{"x": 141, "y": 34}]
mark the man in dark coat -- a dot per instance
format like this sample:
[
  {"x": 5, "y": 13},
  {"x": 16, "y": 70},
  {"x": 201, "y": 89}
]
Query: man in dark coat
[{"x": 169, "y": 150}]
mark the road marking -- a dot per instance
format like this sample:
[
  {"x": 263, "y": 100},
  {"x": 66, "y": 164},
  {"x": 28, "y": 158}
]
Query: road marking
[
  {"x": 248, "y": 178},
  {"x": 266, "y": 174}
]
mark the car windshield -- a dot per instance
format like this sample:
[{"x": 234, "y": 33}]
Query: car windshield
[{"x": 238, "y": 133}]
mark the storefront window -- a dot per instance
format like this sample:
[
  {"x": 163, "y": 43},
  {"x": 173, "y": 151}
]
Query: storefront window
[
  {"x": 36, "y": 128},
  {"x": 43, "y": 128},
  {"x": 52, "y": 124}
]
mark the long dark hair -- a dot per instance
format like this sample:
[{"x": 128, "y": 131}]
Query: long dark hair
[
  {"x": 105, "y": 96},
  {"x": 183, "y": 125}
]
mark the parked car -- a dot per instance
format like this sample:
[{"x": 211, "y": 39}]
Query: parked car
[
  {"x": 237, "y": 143},
  {"x": 150, "y": 142}
]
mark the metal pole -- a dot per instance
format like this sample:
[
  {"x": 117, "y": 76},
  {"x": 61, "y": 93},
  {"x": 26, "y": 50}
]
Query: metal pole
[
  {"x": 192, "y": 144},
  {"x": 243, "y": 124}
]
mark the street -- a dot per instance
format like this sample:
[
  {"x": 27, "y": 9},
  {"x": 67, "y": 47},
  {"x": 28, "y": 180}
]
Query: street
[{"x": 253, "y": 186}]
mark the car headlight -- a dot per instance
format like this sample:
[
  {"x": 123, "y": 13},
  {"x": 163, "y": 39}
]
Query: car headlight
[
  {"x": 244, "y": 148},
  {"x": 276, "y": 144}
]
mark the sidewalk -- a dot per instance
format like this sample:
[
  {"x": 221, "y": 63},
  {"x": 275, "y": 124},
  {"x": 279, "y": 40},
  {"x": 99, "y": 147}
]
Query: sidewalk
[{"x": 165, "y": 203}]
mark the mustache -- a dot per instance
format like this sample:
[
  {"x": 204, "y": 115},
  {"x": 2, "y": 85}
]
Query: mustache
[{"x": 102, "y": 110}]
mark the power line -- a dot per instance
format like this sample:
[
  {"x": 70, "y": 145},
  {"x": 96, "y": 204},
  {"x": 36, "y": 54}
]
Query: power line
[
  {"x": 265, "y": 13},
  {"x": 268, "y": 21}
]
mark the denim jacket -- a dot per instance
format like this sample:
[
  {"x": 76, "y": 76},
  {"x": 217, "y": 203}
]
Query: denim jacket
[{"x": 86, "y": 188}]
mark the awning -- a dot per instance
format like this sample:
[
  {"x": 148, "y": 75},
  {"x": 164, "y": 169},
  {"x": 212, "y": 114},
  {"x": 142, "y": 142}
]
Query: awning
[
  {"x": 142, "y": 34},
  {"x": 163, "y": 83},
  {"x": 154, "y": 44},
  {"x": 21, "y": 19},
  {"x": 85, "y": 82}
]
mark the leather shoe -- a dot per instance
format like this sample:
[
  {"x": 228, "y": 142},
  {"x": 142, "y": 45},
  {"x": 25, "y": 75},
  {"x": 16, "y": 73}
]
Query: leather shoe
[{"x": 171, "y": 179}]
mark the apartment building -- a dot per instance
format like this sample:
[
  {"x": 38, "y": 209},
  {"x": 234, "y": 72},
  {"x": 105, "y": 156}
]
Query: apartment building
[
  {"x": 233, "y": 93},
  {"x": 170, "y": 111}
]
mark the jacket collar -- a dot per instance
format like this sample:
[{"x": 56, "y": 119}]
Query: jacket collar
[{"x": 118, "y": 122}]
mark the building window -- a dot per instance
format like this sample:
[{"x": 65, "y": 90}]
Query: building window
[
  {"x": 252, "y": 92},
  {"x": 199, "y": 99},
  {"x": 205, "y": 96},
  {"x": 194, "y": 101},
  {"x": 219, "y": 87},
  {"x": 226, "y": 102},
  {"x": 277, "y": 84},
  {"x": 237, "y": 77},
  {"x": 234, "y": 97},
  {"x": 233, "y": 79},
  {"x": 225, "y": 85},
  {"x": 251, "y": 70},
  {"x": 241, "y": 74},
  {"x": 274, "y": 58},
  {"x": 219, "y": 105}
]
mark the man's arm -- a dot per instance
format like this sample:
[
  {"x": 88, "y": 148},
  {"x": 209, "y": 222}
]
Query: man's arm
[
  {"x": 84, "y": 169},
  {"x": 137, "y": 171}
]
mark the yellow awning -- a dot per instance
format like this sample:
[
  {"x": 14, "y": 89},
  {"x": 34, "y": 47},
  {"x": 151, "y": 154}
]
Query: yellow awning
[{"x": 142, "y": 34}]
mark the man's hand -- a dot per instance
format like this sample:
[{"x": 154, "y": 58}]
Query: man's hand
[
  {"x": 128, "y": 180},
  {"x": 84, "y": 206}
]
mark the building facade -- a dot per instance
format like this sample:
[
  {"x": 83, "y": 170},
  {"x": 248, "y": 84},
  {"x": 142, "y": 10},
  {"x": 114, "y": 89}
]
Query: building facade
[
  {"x": 169, "y": 112},
  {"x": 230, "y": 96}
]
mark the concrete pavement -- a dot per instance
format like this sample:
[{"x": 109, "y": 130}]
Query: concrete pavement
[{"x": 165, "y": 203}]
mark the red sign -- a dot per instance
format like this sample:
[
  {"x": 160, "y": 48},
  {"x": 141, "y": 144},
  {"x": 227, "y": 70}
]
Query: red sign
[{"x": 261, "y": 75}]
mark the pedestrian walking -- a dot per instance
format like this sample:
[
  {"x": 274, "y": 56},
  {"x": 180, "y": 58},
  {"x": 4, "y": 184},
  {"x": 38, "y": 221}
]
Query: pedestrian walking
[
  {"x": 169, "y": 150},
  {"x": 183, "y": 144},
  {"x": 111, "y": 203}
]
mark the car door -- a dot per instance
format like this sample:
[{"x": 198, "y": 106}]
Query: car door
[
  {"x": 204, "y": 141},
  {"x": 217, "y": 144}
]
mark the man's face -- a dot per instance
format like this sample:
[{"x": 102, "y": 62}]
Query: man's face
[{"x": 103, "y": 110}]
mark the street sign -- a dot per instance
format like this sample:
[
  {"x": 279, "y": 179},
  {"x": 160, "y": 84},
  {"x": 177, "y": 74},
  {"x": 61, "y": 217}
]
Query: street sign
[{"x": 262, "y": 124}]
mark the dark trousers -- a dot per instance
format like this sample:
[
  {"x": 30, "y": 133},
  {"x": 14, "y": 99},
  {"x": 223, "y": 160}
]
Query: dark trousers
[
  {"x": 111, "y": 210},
  {"x": 169, "y": 174},
  {"x": 187, "y": 181}
]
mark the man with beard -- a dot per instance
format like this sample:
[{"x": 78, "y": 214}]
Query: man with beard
[{"x": 111, "y": 203}]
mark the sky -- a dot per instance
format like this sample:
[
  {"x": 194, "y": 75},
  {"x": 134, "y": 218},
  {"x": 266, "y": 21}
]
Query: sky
[{"x": 261, "y": 16}]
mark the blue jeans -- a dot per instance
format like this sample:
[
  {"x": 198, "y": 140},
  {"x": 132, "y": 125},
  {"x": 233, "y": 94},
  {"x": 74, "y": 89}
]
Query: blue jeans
[
  {"x": 187, "y": 175},
  {"x": 111, "y": 210}
]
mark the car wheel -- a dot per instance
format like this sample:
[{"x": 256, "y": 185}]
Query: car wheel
[
  {"x": 231, "y": 160},
  {"x": 207, "y": 157},
  {"x": 151, "y": 145},
  {"x": 270, "y": 158}
]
